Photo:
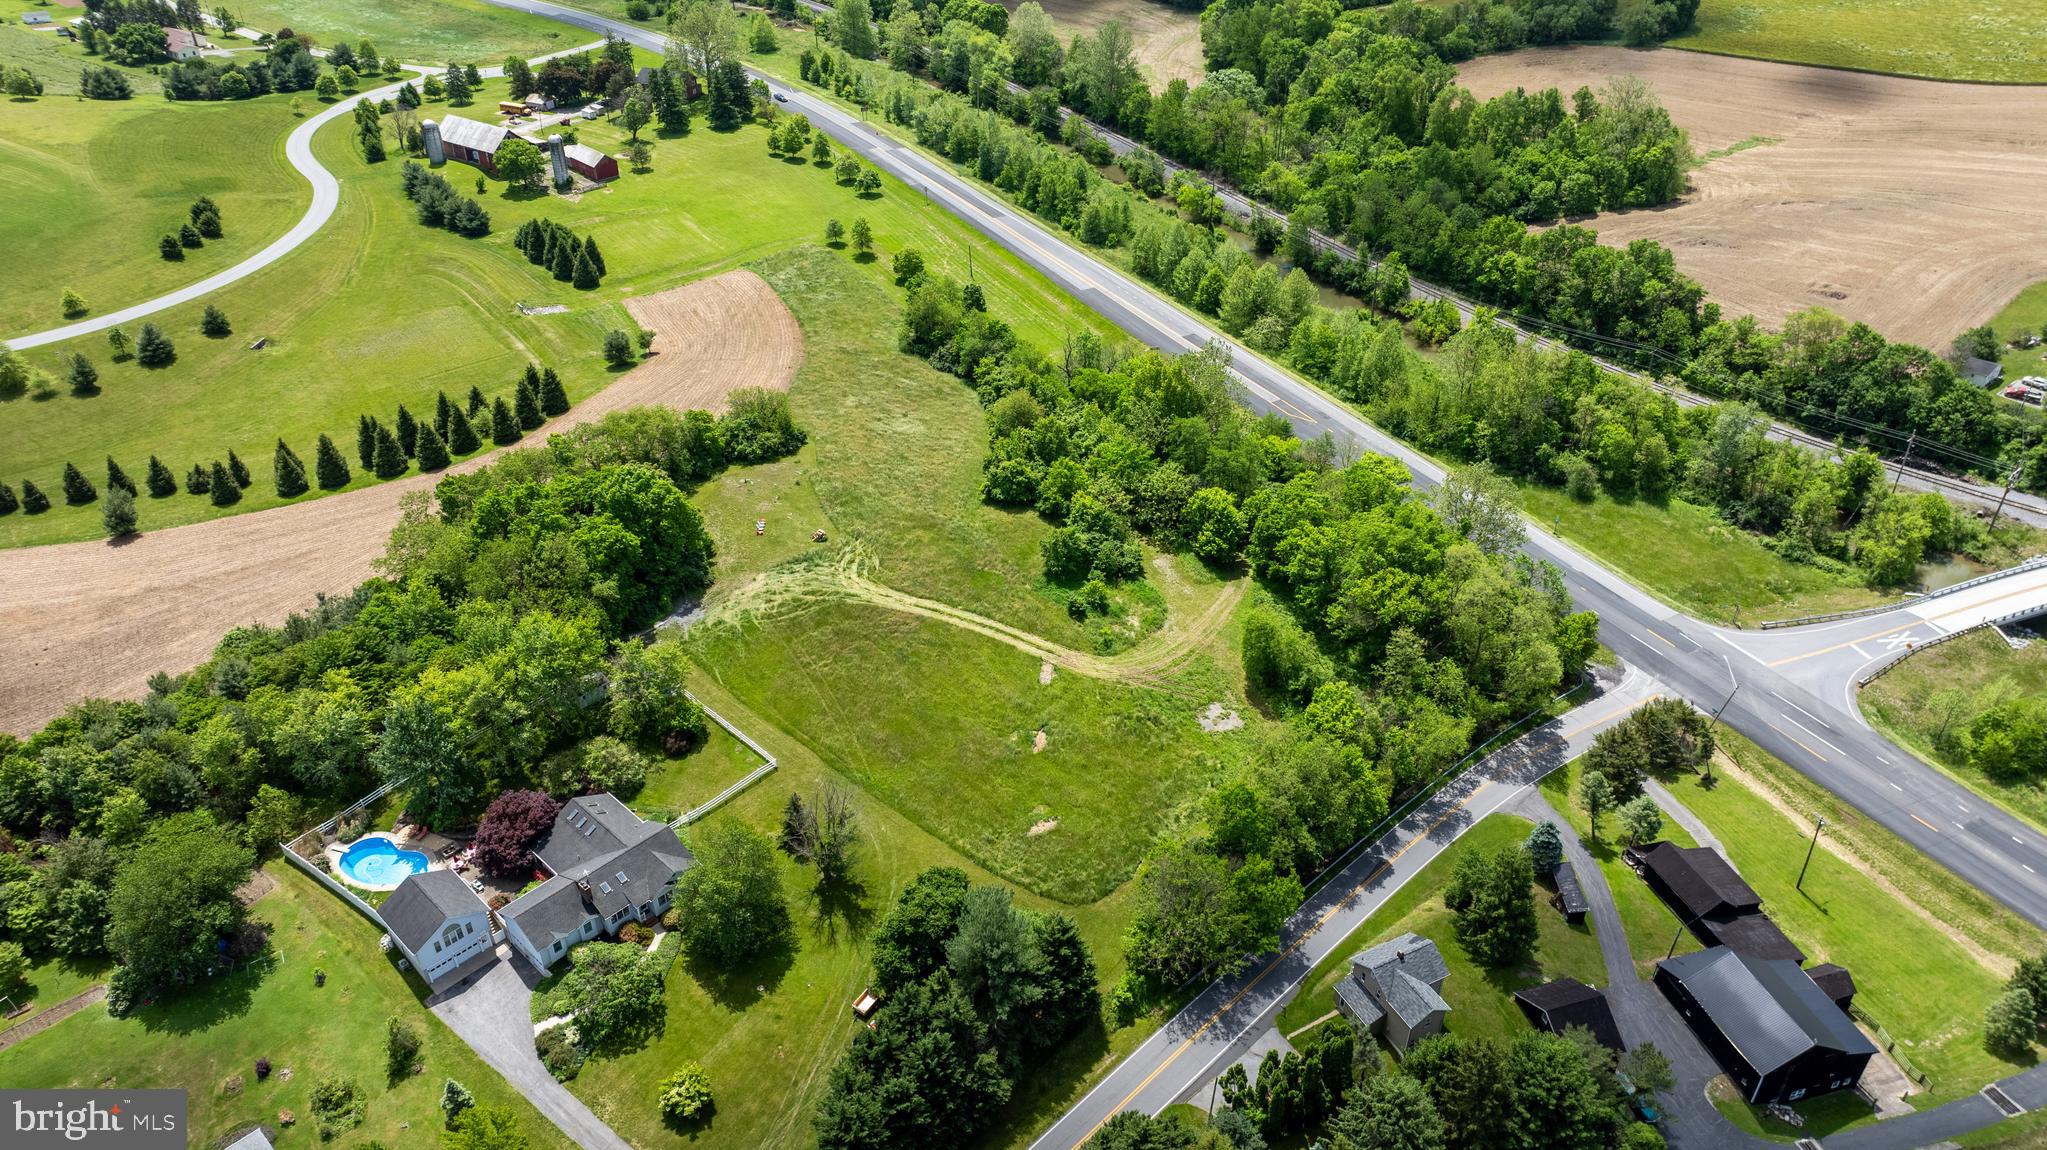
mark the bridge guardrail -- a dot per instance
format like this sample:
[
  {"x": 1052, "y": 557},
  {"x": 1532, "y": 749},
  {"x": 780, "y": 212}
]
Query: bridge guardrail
[
  {"x": 2009, "y": 617},
  {"x": 1807, "y": 620}
]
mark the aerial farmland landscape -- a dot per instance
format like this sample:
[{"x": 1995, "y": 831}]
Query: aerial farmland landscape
[{"x": 1043, "y": 575}]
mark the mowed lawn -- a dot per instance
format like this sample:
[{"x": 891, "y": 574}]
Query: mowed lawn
[
  {"x": 1481, "y": 1000},
  {"x": 92, "y": 185},
  {"x": 1687, "y": 555},
  {"x": 207, "y": 1041},
  {"x": 1911, "y": 974},
  {"x": 51, "y": 58},
  {"x": 1928, "y": 701},
  {"x": 2026, "y": 313},
  {"x": 419, "y": 31},
  {"x": 378, "y": 310},
  {"x": 1997, "y": 40},
  {"x": 769, "y": 1033},
  {"x": 1652, "y": 929}
]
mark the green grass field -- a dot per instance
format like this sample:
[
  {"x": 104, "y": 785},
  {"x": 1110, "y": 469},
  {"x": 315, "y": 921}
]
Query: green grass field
[
  {"x": 50, "y": 981},
  {"x": 92, "y": 185},
  {"x": 51, "y": 58},
  {"x": 208, "y": 1040},
  {"x": 1938, "y": 692},
  {"x": 378, "y": 310},
  {"x": 1912, "y": 975},
  {"x": 1687, "y": 555},
  {"x": 1653, "y": 931},
  {"x": 1995, "y": 40},
  {"x": 2026, "y": 312},
  {"x": 675, "y": 785},
  {"x": 1481, "y": 1000},
  {"x": 419, "y": 31}
]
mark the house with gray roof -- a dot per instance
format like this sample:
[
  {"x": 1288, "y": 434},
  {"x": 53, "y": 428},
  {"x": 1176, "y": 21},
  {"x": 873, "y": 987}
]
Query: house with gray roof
[
  {"x": 605, "y": 866},
  {"x": 1395, "y": 990},
  {"x": 438, "y": 923},
  {"x": 1778, "y": 1035}
]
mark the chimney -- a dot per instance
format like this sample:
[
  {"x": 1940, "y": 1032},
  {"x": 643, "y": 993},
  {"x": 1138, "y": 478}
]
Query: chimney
[{"x": 430, "y": 139}]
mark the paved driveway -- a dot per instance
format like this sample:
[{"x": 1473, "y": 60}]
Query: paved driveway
[{"x": 493, "y": 1014}]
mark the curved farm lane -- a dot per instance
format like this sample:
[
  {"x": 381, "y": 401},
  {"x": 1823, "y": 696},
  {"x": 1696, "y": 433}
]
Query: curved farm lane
[
  {"x": 781, "y": 591},
  {"x": 298, "y": 150},
  {"x": 81, "y": 620}
]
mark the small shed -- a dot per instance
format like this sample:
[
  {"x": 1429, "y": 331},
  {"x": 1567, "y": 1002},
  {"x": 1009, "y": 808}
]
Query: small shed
[
  {"x": 35, "y": 18},
  {"x": 181, "y": 44},
  {"x": 1557, "y": 1006},
  {"x": 1835, "y": 982},
  {"x": 539, "y": 102},
  {"x": 1570, "y": 897},
  {"x": 1982, "y": 372},
  {"x": 590, "y": 163}
]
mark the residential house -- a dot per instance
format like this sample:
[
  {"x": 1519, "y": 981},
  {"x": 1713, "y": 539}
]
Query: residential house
[
  {"x": 605, "y": 865},
  {"x": 1768, "y": 1024},
  {"x": 1395, "y": 990},
  {"x": 181, "y": 44},
  {"x": 1982, "y": 372},
  {"x": 438, "y": 922}
]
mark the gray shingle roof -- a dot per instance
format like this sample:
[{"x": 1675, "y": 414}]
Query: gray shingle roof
[
  {"x": 1754, "y": 934},
  {"x": 552, "y": 910},
  {"x": 1563, "y": 1003},
  {"x": 424, "y": 902},
  {"x": 1410, "y": 952},
  {"x": 482, "y": 137},
  {"x": 1702, "y": 882},
  {"x": 1360, "y": 1003},
  {"x": 1769, "y": 1009},
  {"x": 1568, "y": 891},
  {"x": 1410, "y": 997},
  {"x": 622, "y": 859}
]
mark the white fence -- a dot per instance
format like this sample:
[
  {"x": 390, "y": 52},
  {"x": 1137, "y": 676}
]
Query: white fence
[
  {"x": 1808, "y": 620},
  {"x": 329, "y": 881},
  {"x": 753, "y": 776}
]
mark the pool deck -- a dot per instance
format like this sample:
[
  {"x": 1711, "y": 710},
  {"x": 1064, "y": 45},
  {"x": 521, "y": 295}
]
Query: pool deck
[{"x": 418, "y": 845}]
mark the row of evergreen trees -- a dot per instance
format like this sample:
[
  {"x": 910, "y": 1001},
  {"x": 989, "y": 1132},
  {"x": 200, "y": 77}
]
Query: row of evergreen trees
[
  {"x": 385, "y": 450},
  {"x": 440, "y": 205},
  {"x": 553, "y": 246},
  {"x": 203, "y": 225}
]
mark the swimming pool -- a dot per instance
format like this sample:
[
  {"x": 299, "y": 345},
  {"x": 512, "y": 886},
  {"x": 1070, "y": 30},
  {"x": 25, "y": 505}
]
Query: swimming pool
[{"x": 379, "y": 863}]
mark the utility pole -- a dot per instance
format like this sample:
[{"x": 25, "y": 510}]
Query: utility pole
[
  {"x": 2008, "y": 481},
  {"x": 1711, "y": 724},
  {"x": 1819, "y": 824},
  {"x": 1911, "y": 442}
]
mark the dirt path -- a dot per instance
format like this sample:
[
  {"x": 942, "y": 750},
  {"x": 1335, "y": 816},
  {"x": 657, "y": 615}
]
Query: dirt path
[
  {"x": 842, "y": 578},
  {"x": 79, "y": 620},
  {"x": 1912, "y": 205}
]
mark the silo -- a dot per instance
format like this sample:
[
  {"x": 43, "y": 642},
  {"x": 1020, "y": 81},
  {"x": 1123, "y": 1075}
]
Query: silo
[
  {"x": 558, "y": 159},
  {"x": 430, "y": 139}
]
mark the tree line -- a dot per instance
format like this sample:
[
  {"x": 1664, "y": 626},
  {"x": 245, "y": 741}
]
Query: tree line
[
  {"x": 1394, "y": 629},
  {"x": 460, "y": 674}
]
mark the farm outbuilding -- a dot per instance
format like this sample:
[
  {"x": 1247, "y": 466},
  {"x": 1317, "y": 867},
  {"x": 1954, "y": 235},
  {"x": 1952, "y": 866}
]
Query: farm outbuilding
[
  {"x": 456, "y": 138},
  {"x": 590, "y": 163},
  {"x": 181, "y": 44},
  {"x": 1769, "y": 1025},
  {"x": 35, "y": 17}
]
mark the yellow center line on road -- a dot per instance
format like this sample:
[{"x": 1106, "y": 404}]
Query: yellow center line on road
[
  {"x": 1794, "y": 738},
  {"x": 1188, "y": 1042},
  {"x": 1665, "y": 642},
  {"x": 1979, "y": 603},
  {"x": 1924, "y": 823}
]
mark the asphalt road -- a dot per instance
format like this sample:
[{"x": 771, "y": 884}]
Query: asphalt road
[{"x": 1819, "y": 732}]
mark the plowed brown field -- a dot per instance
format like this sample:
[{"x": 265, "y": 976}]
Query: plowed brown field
[
  {"x": 1913, "y": 205},
  {"x": 79, "y": 620}
]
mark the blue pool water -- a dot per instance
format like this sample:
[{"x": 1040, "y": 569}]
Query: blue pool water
[{"x": 379, "y": 862}]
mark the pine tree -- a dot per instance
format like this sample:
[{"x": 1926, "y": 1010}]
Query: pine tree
[
  {"x": 328, "y": 466},
  {"x": 222, "y": 486},
  {"x": 84, "y": 378},
  {"x": 153, "y": 348},
  {"x": 565, "y": 259},
  {"x": 7, "y": 500},
  {"x": 596, "y": 257},
  {"x": 532, "y": 378},
  {"x": 390, "y": 458},
  {"x": 553, "y": 399},
  {"x": 213, "y": 324},
  {"x": 476, "y": 401},
  {"x": 169, "y": 248},
  {"x": 366, "y": 441},
  {"x": 289, "y": 472},
  {"x": 236, "y": 470},
  {"x": 433, "y": 453},
  {"x": 443, "y": 412},
  {"x": 188, "y": 237},
  {"x": 197, "y": 481},
  {"x": 522, "y": 237},
  {"x": 585, "y": 276},
  {"x": 504, "y": 430},
  {"x": 77, "y": 488},
  {"x": 161, "y": 482},
  {"x": 527, "y": 407},
  {"x": 33, "y": 501},
  {"x": 462, "y": 434},
  {"x": 117, "y": 514},
  {"x": 408, "y": 432},
  {"x": 117, "y": 478}
]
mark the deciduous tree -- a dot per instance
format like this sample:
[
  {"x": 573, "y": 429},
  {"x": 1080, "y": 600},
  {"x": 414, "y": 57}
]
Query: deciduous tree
[{"x": 730, "y": 904}]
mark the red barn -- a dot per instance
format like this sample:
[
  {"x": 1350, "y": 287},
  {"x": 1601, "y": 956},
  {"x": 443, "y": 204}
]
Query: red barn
[{"x": 590, "y": 163}]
